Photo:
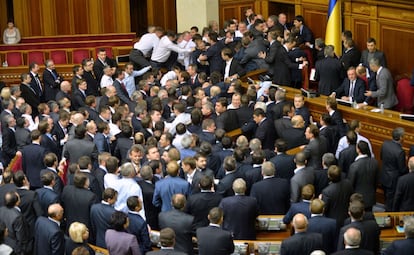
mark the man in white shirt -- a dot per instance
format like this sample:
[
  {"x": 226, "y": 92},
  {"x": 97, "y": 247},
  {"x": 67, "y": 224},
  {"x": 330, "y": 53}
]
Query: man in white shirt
[
  {"x": 356, "y": 126},
  {"x": 161, "y": 54},
  {"x": 107, "y": 77},
  {"x": 144, "y": 47},
  {"x": 185, "y": 43}
]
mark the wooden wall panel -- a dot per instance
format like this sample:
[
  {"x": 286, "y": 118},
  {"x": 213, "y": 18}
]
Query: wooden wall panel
[
  {"x": 162, "y": 13},
  {"x": 3, "y": 17},
  {"x": 80, "y": 10},
  {"x": 401, "y": 44},
  {"x": 34, "y": 17},
  {"x": 52, "y": 17},
  {"x": 361, "y": 32},
  {"x": 235, "y": 9},
  {"x": 316, "y": 20}
]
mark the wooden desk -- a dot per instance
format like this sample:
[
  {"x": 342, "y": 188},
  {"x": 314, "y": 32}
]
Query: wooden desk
[{"x": 377, "y": 127}]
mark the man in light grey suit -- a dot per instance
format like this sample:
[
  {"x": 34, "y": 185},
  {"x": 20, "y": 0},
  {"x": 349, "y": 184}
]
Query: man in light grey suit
[
  {"x": 303, "y": 175},
  {"x": 385, "y": 92}
]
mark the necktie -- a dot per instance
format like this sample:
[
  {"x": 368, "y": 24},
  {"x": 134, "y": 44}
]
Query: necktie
[
  {"x": 351, "y": 89},
  {"x": 123, "y": 86},
  {"x": 54, "y": 75},
  {"x": 39, "y": 84}
]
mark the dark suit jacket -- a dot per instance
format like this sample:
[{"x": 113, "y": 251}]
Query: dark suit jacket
[
  {"x": 61, "y": 95},
  {"x": 122, "y": 147},
  {"x": 329, "y": 74},
  {"x": 370, "y": 235},
  {"x": 404, "y": 246},
  {"x": 199, "y": 206},
  {"x": 58, "y": 187},
  {"x": 49, "y": 238},
  {"x": 351, "y": 57},
  {"x": 93, "y": 114},
  {"x": 282, "y": 124},
  {"x": 4, "y": 188},
  {"x": 78, "y": 99},
  {"x": 326, "y": 227},
  {"x": 49, "y": 144},
  {"x": 228, "y": 120},
  {"x": 363, "y": 175},
  {"x": 393, "y": 163},
  {"x": 359, "y": 90},
  {"x": 301, "y": 243},
  {"x": 214, "y": 240},
  {"x": 138, "y": 227},
  {"x": 9, "y": 145},
  {"x": 151, "y": 211},
  {"x": 330, "y": 133},
  {"x": 182, "y": 224},
  {"x": 224, "y": 187},
  {"x": 213, "y": 54},
  {"x": 207, "y": 137},
  {"x": 30, "y": 206},
  {"x": 19, "y": 236},
  {"x": 299, "y": 207},
  {"x": 275, "y": 202},
  {"x": 51, "y": 86},
  {"x": 46, "y": 197},
  {"x": 39, "y": 93},
  {"x": 404, "y": 193},
  {"x": 30, "y": 97},
  {"x": 336, "y": 197},
  {"x": 98, "y": 67},
  {"x": 235, "y": 68},
  {"x": 237, "y": 209},
  {"x": 282, "y": 66},
  {"x": 121, "y": 92},
  {"x": 93, "y": 85},
  {"x": 294, "y": 137},
  {"x": 32, "y": 163},
  {"x": 119, "y": 242},
  {"x": 265, "y": 132},
  {"x": 347, "y": 157},
  {"x": 338, "y": 122},
  {"x": 100, "y": 222},
  {"x": 321, "y": 180},
  {"x": 77, "y": 204},
  {"x": 285, "y": 165}
]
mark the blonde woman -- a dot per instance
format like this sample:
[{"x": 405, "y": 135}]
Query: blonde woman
[{"x": 79, "y": 235}]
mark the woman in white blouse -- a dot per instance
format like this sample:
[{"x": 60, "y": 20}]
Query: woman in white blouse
[{"x": 11, "y": 34}]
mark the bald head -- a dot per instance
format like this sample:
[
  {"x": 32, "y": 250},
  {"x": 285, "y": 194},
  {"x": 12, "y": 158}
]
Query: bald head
[
  {"x": 352, "y": 237},
  {"x": 55, "y": 211},
  {"x": 297, "y": 121},
  {"x": 65, "y": 86},
  {"x": 178, "y": 201},
  {"x": 300, "y": 222}
]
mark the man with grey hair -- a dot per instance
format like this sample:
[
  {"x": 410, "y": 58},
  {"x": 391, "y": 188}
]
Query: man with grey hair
[
  {"x": 404, "y": 246},
  {"x": 393, "y": 165},
  {"x": 240, "y": 208},
  {"x": 404, "y": 194},
  {"x": 126, "y": 187},
  {"x": 302, "y": 242},
  {"x": 385, "y": 93},
  {"x": 328, "y": 72},
  {"x": 51, "y": 80},
  {"x": 147, "y": 186},
  {"x": 277, "y": 201},
  {"x": 321, "y": 175},
  {"x": 352, "y": 240}
]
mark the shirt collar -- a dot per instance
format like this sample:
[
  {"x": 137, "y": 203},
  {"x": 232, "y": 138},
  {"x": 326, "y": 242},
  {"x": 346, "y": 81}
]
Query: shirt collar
[
  {"x": 297, "y": 170},
  {"x": 361, "y": 156},
  {"x": 55, "y": 221}
]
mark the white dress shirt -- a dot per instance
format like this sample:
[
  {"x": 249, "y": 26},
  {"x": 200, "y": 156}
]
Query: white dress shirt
[
  {"x": 163, "y": 50},
  {"x": 147, "y": 43}
]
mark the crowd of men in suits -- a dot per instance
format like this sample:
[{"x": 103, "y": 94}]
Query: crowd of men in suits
[{"x": 128, "y": 149}]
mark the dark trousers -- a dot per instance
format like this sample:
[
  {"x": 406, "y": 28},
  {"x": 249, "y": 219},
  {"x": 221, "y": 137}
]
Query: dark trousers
[{"x": 139, "y": 60}]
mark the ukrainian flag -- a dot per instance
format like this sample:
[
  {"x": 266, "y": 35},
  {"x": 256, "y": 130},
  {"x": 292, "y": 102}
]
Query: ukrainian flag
[{"x": 333, "y": 28}]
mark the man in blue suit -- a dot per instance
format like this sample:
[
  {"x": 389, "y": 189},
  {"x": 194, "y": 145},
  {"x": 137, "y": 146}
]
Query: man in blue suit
[
  {"x": 170, "y": 185},
  {"x": 101, "y": 216},
  {"x": 46, "y": 194},
  {"x": 49, "y": 238},
  {"x": 405, "y": 246},
  {"x": 308, "y": 193},
  {"x": 32, "y": 160},
  {"x": 323, "y": 225},
  {"x": 137, "y": 225}
]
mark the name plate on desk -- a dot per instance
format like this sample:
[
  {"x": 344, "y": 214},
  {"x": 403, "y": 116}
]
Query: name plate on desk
[
  {"x": 271, "y": 224},
  {"x": 343, "y": 102},
  {"x": 309, "y": 93}
]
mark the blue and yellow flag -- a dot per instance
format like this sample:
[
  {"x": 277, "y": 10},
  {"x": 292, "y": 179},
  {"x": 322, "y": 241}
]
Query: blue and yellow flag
[{"x": 334, "y": 27}]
